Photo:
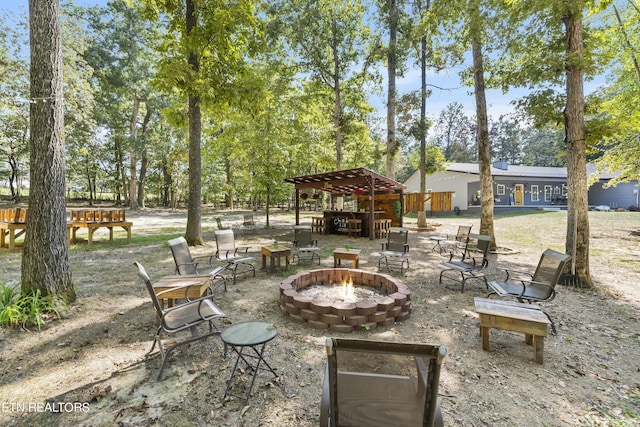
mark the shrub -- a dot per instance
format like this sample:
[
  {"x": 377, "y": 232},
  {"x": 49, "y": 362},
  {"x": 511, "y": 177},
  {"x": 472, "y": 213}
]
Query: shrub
[{"x": 26, "y": 310}]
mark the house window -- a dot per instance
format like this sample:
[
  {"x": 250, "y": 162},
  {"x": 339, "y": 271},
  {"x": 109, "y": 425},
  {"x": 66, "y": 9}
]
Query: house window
[
  {"x": 548, "y": 192},
  {"x": 535, "y": 196},
  {"x": 556, "y": 190},
  {"x": 500, "y": 189},
  {"x": 564, "y": 190}
]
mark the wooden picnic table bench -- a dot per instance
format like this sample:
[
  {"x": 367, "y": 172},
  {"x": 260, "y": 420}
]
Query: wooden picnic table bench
[
  {"x": 93, "y": 219},
  {"x": 13, "y": 223}
]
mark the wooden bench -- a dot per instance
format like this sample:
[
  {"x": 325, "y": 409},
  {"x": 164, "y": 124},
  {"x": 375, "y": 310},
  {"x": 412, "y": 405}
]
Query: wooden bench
[
  {"x": 93, "y": 219},
  {"x": 13, "y": 223},
  {"x": 513, "y": 316}
]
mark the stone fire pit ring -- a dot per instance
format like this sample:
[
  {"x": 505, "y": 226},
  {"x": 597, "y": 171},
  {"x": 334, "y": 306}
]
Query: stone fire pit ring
[{"x": 339, "y": 316}]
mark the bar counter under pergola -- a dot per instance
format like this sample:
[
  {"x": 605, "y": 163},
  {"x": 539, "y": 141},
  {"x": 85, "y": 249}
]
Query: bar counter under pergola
[{"x": 361, "y": 182}]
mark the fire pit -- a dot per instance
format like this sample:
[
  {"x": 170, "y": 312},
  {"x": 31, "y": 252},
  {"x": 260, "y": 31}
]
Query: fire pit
[{"x": 387, "y": 302}]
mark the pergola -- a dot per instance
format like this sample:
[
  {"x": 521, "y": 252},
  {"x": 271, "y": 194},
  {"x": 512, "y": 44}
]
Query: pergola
[{"x": 340, "y": 183}]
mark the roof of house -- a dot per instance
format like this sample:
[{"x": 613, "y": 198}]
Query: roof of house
[{"x": 511, "y": 170}]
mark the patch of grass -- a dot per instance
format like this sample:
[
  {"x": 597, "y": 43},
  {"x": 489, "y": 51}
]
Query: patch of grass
[
  {"x": 162, "y": 236},
  {"x": 26, "y": 310}
]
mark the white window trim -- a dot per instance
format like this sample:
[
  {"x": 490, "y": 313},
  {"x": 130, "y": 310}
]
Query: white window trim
[
  {"x": 548, "y": 193},
  {"x": 535, "y": 193}
]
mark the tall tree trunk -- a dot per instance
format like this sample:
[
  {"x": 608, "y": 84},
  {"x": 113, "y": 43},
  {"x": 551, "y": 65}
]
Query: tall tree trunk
[
  {"x": 230, "y": 192},
  {"x": 13, "y": 178},
  {"x": 120, "y": 178},
  {"x": 392, "y": 60},
  {"x": 575, "y": 134},
  {"x": 45, "y": 255},
  {"x": 144, "y": 161},
  {"x": 337, "y": 101},
  {"x": 193, "y": 234},
  {"x": 133, "y": 126},
  {"x": 484, "y": 145},
  {"x": 422, "y": 214}
]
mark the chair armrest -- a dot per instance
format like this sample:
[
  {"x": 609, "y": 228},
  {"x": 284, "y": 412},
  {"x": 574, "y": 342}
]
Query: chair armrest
[
  {"x": 196, "y": 302},
  {"x": 453, "y": 254},
  {"x": 208, "y": 257},
  {"x": 244, "y": 249},
  {"x": 325, "y": 403},
  {"x": 178, "y": 265},
  {"x": 423, "y": 375},
  {"x": 176, "y": 288},
  {"x": 527, "y": 283},
  {"x": 509, "y": 271},
  {"x": 483, "y": 261}
]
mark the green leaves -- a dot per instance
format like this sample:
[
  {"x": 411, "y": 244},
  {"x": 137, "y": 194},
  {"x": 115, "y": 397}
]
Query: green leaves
[{"x": 27, "y": 310}]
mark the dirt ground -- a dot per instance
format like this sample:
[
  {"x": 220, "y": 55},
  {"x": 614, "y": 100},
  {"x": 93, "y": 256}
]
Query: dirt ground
[{"x": 92, "y": 367}]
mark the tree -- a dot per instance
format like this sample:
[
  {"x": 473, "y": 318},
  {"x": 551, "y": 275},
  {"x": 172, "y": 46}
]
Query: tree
[
  {"x": 124, "y": 54},
  {"x": 14, "y": 111},
  {"x": 393, "y": 15},
  {"x": 205, "y": 50},
  {"x": 45, "y": 255},
  {"x": 561, "y": 59},
  {"x": 331, "y": 40},
  {"x": 475, "y": 24},
  {"x": 193, "y": 233},
  {"x": 575, "y": 138},
  {"x": 507, "y": 141},
  {"x": 454, "y": 133},
  {"x": 543, "y": 147},
  {"x": 620, "y": 98}
]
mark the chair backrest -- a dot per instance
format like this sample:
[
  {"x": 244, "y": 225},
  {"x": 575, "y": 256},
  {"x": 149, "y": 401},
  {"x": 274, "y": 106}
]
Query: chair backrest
[
  {"x": 248, "y": 220},
  {"x": 397, "y": 239},
  {"x": 477, "y": 245},
  {"x": 220, "y": 226},
  {"x": 550, "y": 269},
  {"x": 303, "y": 237},
  {"x": 463, "y": 233},
  {"x": 142, "y": 273},
  {"x": 378, "y": 383},
  {"x": 225, "y": 242},
  {"x": 182, "y": 256}
]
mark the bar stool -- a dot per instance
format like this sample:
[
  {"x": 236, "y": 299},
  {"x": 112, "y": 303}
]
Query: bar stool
[
  {"x": 386, "y": 226},
  {"x": 378, "y": 228},
  {"x": 355, "y": 227},
  {"x": 318, "y": 225}
]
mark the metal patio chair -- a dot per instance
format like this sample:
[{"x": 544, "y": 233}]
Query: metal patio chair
[
  {"x": 395, "y": 251},
  {"x": 539, "y": 286},
  {"x": 304, "y": 245},
  {"x": 234, "y": 257},
  {"x": 375, "y": 383},
  {"x": 471, "y": 264},
  {"x": 188, "y": 316},
  {"x": 187, "y": 265}
]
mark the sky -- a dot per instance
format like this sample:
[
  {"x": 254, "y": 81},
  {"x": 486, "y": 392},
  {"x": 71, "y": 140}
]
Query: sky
[{"x": 446, "y": 86}]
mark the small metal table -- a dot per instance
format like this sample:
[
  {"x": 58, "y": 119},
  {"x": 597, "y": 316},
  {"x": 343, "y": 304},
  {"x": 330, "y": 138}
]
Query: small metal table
[
  {"x": 248, "y": 340},
  {"x": 438, "y": 247}
]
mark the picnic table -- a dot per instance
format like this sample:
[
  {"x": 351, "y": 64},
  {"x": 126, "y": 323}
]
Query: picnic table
[
  {"x": 93, "y": 219},
  {"x": 13, "y": 223}
]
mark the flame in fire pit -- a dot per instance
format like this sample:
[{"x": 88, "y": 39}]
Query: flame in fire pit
[{"x": 347, "y": 289}]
